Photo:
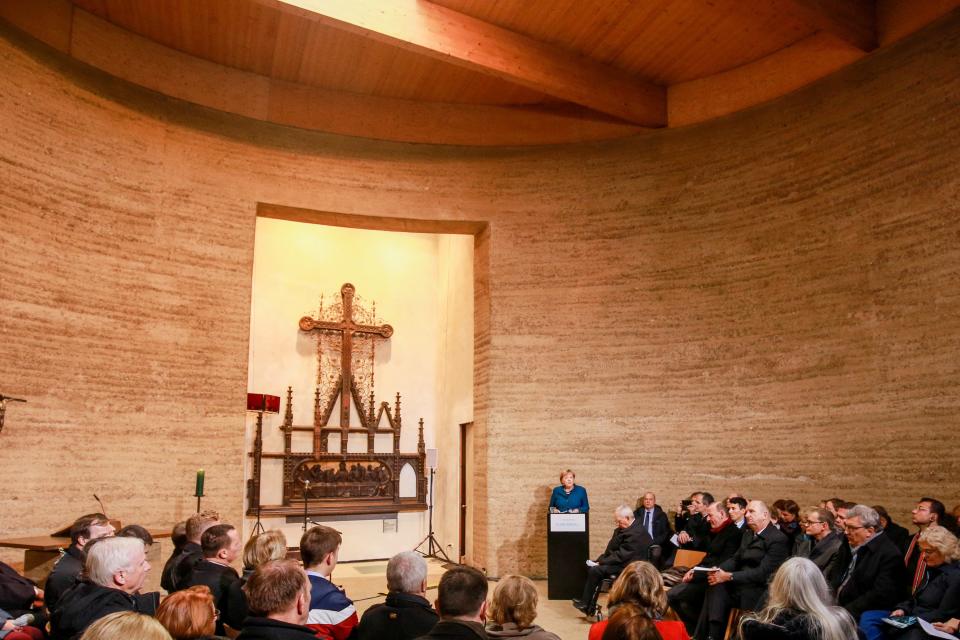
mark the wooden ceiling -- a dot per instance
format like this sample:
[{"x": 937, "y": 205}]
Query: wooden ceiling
[{"x": 586, "y": 68}]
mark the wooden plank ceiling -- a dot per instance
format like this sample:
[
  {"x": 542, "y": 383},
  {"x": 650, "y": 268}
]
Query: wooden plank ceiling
[{"x": 617, "y": 61}]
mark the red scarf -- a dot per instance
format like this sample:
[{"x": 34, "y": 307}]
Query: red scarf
[{"x": 726, "y": 523}]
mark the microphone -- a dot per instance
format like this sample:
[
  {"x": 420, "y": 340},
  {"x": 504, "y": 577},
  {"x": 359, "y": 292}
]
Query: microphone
[{"x": 103, "y": 509}]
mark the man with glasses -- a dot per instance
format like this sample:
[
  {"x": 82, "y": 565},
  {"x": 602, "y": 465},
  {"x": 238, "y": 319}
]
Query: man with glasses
[
  {"x": 874, "y": 577},
  {"x": 820, "y": 543},
  {"x": 928, "y": 512}
]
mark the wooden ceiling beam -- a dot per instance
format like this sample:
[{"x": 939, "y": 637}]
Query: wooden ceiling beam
[
  {"x": 444, "y": 34},
  {"x": 853, "y": 21}
]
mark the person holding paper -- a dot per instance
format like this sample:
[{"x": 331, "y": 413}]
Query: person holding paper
[
  {"x": 629, "y": 542},
  {"x": 569, "y": 497}
]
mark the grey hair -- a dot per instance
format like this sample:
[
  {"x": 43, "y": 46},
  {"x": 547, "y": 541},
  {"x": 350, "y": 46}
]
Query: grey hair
[
  {"x": 406, "y": 572},
  {"x": 868, "y": 516},
  {"x": 624, "y": 510},
  {"x": 800, "y": 586},
  {"x": 111, "y": 556}
]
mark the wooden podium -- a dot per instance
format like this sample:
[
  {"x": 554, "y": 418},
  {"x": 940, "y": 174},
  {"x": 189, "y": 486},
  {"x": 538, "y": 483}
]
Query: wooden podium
[{"x": 568, "y": 549}]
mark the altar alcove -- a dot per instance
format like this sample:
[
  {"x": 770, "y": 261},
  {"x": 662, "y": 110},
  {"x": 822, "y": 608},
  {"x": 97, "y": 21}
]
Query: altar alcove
[{"x": 421, "y": 284}]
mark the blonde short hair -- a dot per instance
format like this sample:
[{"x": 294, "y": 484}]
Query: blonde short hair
[
  {"x": 271, "y": 545},
  {"x": 942, "y": 540},
  {"x": 514, "y": 600},
  {"x": 126, "y": 624}
]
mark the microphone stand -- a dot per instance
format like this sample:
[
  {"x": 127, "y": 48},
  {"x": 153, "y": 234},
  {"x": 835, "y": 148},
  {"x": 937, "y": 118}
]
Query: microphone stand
[
  {"x": 434, "y": 550},
  {"x": 306, "y": 502}
]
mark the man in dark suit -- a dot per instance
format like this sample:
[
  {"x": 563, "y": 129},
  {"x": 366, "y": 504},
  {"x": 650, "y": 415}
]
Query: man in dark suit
[
  {"x": 462, "y": 604},
  {"x": 686, "y": 598},
  {"x": 696, "y": 532},
  {"x": 897, "y": 534},
  {"x": 653, "y": 519},
  {"x": 221, "y": 546},
  {"x": 875, "y": 576},
  {"x": 741, "y": 581},
  {"x": 66, "y": 573},
  {"x": 629, "y": 542},
  {"x": 820, "y": 542},
  {"x": 177, "y": 570}
]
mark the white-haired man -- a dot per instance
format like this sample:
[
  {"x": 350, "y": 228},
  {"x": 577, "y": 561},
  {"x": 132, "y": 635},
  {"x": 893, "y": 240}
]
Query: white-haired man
[
  {"x": 115, "y": 571},
  {"x": 629, "y": 542},
  {"x": 407, "y": 613}
]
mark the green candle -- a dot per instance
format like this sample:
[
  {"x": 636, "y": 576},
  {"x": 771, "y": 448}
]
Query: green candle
[{"x": 199, "y": 483}]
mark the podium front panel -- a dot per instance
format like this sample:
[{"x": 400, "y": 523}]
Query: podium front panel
[{"x": 568, "y": 549}]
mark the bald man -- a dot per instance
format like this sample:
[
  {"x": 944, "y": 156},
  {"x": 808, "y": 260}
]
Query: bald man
[
  {"x": 653, "y": 520},
  {"x": 741, "y": 581}
]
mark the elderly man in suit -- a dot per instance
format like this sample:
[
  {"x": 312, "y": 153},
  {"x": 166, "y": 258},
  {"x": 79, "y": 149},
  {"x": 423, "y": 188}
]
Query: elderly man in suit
[
  {"x": 742, "y": 580},
  {"x": 875, "y": 577},
  {"x": 629, "y": 542}
]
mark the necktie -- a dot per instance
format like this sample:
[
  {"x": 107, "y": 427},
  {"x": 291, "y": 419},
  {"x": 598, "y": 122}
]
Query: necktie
[
  {"x": 849, "y": 573},
  {"x": 647, "y": 524},
  {"x": 921, "y": 563}
]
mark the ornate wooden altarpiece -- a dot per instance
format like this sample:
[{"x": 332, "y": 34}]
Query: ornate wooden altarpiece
[{"x": 338, "y": 482}]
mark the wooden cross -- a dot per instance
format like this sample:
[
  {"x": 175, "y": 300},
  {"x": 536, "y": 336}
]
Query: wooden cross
[{"x": 346, "y": 327}]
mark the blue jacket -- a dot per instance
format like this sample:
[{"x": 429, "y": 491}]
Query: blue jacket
[{"x": 576, "y": 500}]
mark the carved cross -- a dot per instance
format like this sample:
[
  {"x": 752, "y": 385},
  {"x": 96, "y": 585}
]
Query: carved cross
[{"x": 347, "y": 328}]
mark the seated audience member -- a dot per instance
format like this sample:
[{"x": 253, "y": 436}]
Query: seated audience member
[
  {"x": 125, "y": 625},
  {"x": 640, "y": 586},
  {"x": 278, "y": 593},
  {"x": 269, "y": 545},
  {"x": 136, "y": 531},
  {"x": 177, "y": 569},
  {"x": 178, "y": 536},
  {"x": 873, "y": 578},
  {"x": 18, "y": 627},
  {"x": 737, "y": 509},
  {"x": 830, "y": 504},
  {"x": 513, "y": 609},
  {"x": 66, "y": 572},
  {"x": 789, "y": 519},
  {"x": 569, "y": 497},
  {"x": 937, "y": 599},
  {"x": 697, "y": 530},
  {"x": 462, "y": 604},
  {"x": 928, "y": 512},
  {"x": 407, "y": 613},
  {"x": 629, "y": 622},
  {"x": 332, "y": 614},
  {"x": 742, "y": 580},
  {"x": 653, "y": 519},
  {"x": 629, "y": 542},
  {"x": 115, "y": 570},
  {"x": 686, "y": 598},
  {"x": 899, "y": 535},
  {"x": 799, "y": 607},
  {"x": 221, "y": 546},
  {"x": 189, "y": 614},
  {"x": 683, "y": 514},
  {"x": 18, "y": 594},
  {"x": 820, "y": 543}
]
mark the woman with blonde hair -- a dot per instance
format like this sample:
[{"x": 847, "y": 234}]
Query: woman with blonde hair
[
  {"x": 937, "y": 598},
  {"x": 640, "y": 585},
  {"x": 269, "y": 545},
  {"x": 124, "y": 625},
  {"x": 189, "y": 614},
  {"x": 513, "y": 609},
  {"x": 799, "y": 607}
]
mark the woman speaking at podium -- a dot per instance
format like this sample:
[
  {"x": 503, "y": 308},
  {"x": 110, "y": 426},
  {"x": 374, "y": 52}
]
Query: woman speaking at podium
[{"x": 569, "y": 497}]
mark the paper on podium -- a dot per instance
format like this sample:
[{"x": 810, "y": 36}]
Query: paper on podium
[{"x": 568, "y": 522}]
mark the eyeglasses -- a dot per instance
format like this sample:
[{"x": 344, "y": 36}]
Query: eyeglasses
[
  {"x": 809, "y": 523},
  {"x": 851, "y": 528}
]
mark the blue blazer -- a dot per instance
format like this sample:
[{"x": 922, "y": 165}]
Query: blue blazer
[{"x": 576, "y": 500}]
